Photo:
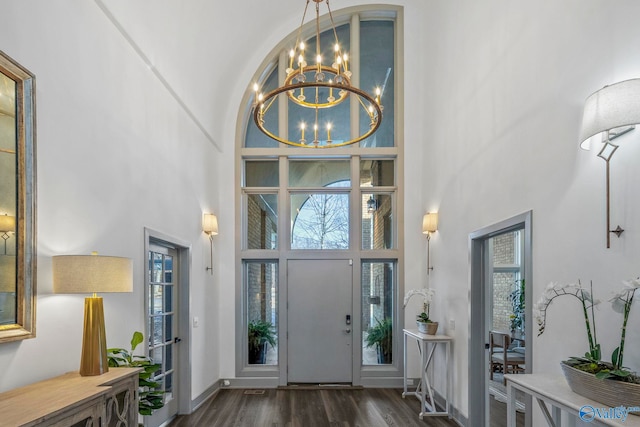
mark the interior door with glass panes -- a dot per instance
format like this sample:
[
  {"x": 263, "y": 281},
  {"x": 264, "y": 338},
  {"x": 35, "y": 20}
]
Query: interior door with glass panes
[{"x": 162, "y": 323}]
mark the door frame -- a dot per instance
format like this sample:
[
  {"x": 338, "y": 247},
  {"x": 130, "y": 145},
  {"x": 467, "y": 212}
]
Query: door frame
[
  {"x": 478, "y": 309},
  {"x": 184, "y": 331}
]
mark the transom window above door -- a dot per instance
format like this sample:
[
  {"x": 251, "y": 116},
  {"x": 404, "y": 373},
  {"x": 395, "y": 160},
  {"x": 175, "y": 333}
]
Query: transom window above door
[{"x": 317, "y": 196}]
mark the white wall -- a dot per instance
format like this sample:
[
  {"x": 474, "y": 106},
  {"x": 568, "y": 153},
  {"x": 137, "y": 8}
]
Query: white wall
[
  {"x": 506, "y": 85},
  {"x": 115, "y": 154}
]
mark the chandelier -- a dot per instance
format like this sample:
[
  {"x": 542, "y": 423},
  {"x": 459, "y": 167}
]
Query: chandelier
[{"x": 313, "y": 90}]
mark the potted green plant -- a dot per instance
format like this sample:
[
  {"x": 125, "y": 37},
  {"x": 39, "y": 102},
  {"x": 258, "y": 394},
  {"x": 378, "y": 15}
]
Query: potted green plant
[
  {"x": 517, "y": 303},
  {"x": 260, "y": 333},
  {"x": 150, "y": 397},
  {"x": 380, "y": 336}
]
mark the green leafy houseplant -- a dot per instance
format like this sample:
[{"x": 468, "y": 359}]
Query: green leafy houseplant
[
  {"x": 149, "y": 397},
  {"x": 621, "y": 303},
  {"x": 260, "y": 333},
  {"x": 517, "y": 303},
  {"x": 380, "y": 336}
]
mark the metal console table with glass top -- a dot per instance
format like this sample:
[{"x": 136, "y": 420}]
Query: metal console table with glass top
[{"x": 427, "y": 345}]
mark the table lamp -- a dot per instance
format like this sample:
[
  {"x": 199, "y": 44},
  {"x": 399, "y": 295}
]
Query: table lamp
[
  {"x": 7, "y": 225},
  {"x": 75, "y": 274}
]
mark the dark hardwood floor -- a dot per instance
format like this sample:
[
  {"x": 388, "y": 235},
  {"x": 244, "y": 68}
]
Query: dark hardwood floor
[
  {"x": 310, "y": 408},
  {"x": 498, "y": 414}
]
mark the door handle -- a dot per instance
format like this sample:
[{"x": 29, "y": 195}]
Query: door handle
[
  {"x": 348, "y": 330},
  {"x": 177, "y": 340}
]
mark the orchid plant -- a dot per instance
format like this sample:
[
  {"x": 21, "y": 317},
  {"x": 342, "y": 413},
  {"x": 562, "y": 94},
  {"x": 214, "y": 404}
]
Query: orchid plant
[
  {"x": 554, "y": 290},
  {"x": 427, "y": 297},
  {"x": 621, "y": 303}
]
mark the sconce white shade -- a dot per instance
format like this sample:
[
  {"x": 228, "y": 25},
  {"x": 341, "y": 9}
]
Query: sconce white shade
[
  {"x": 611, "y": 107},
  {"x": 7, "y": 223},
  {"x": 210, "y": 224},
  {"x": 79, "y": 274},
  {"x": 430, "y": 223}
]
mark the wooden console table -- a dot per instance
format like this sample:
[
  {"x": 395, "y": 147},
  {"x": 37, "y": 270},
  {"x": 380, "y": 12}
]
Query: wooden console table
[
  {"x": 424, "y": 392},
  {"x": 110, "y": 399},
  {"x": 553, "y": 390}
]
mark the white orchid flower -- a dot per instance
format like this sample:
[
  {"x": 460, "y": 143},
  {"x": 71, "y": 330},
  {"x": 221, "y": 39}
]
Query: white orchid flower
[
  {"x": 618, "y": 305},
  {"x": 427, "y": 295}
]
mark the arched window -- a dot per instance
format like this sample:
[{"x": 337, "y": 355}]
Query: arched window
[{"x": 334, "y": 203}]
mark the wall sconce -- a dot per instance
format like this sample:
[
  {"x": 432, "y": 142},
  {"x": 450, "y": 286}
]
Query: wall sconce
[
  {"x": 429, "y": 225},
  {"x": 81, "y": 274},
  {"x": 210, "y": 227},
  {"x": 612, "y": 111},
  {"x": 7, "y": 225},
  {"x": 372, "y": 204}
]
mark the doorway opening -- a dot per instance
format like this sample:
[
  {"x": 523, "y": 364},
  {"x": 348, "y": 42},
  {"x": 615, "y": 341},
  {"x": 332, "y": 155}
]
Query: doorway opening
[
  {"x": 166, "y": 308},
  {"x": 501, "y": 268}
]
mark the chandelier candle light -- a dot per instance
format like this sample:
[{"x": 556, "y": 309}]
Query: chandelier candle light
[{"x": 317, "y": 87}]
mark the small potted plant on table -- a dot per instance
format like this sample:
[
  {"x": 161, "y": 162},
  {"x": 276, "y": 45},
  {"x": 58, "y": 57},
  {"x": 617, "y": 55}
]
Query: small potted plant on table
[{"x": 425, "y": 324}]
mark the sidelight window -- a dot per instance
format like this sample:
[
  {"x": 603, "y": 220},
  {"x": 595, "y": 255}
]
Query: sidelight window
[{"x": 261, "y": 284}]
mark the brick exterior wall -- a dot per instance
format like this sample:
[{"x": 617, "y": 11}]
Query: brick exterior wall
[
  {"x": 261, "y": 277},
  {"x": 263, "y": 225},
  {"x": 377, "y": 281},
  {"x": 504, "y": 252}
]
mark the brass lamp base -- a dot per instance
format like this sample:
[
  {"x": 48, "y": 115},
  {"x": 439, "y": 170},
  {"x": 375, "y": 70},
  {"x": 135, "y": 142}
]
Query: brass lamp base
[{"x": 94, "y": 340}]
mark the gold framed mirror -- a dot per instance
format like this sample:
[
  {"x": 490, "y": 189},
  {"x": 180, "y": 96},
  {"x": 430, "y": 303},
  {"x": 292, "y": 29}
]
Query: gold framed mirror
[{"x": 17, "y": 202}]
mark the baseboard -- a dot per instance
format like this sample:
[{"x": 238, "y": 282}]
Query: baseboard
[
  {"x": 456, "y": 416},
  {"x": 250, "y": 382},
  {"x": 204, "y": 396},
  {"x": 381, "y": 382}
]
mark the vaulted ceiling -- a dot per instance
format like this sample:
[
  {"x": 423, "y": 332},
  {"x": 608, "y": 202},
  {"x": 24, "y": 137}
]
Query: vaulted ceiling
[{"x": 206, "y": 50}]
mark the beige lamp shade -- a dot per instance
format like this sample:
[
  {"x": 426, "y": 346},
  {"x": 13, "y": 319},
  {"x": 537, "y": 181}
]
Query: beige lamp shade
[
  {"x": 611, "y": 107},
  {"x": 430, "y": 223},
  {"x": 7, "y": 273},
  {"x": 7, "y": 223},
  {"x": 78, "y": 274},
  {"x": 210, "y": 224}
]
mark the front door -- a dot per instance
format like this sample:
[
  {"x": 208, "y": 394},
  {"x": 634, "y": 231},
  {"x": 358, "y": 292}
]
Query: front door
[{"x": 320, "y": 321}]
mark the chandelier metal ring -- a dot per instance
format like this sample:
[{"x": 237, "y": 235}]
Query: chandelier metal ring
[
  {"x": 375, "y": 115},
  {"x": 289, "y": 81},
  {"x": 318, "y": 88}
]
